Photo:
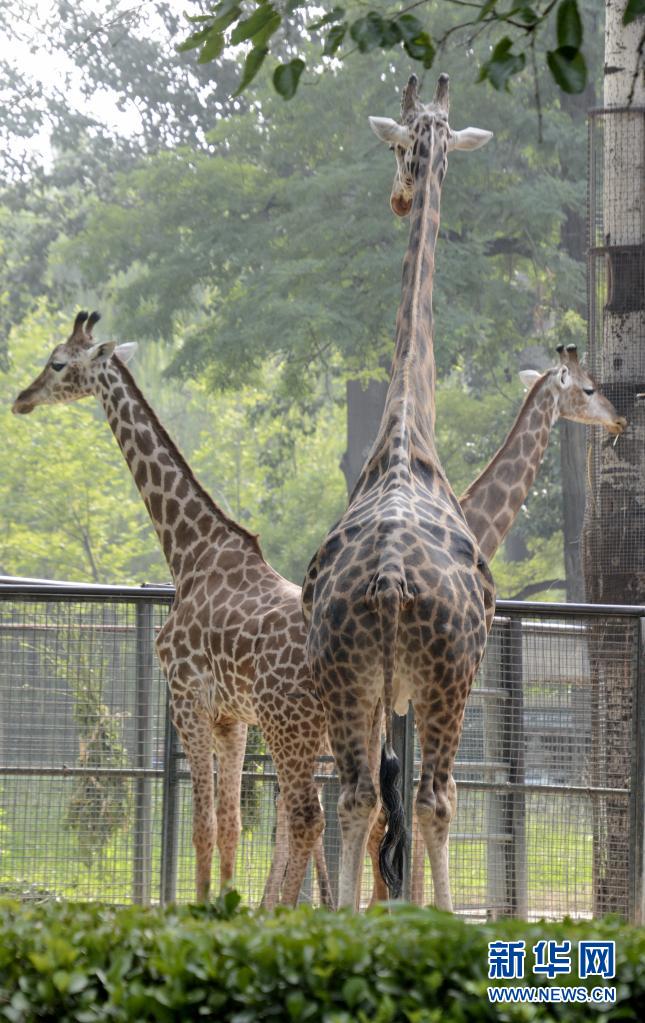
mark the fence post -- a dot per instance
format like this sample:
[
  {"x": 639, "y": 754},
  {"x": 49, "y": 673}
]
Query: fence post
[
  {"x": 403, "y": 743},
  {"x": 637, "y": 788},
  {"x": 143, "y": 755},
  {"x": 170, "y": 810},
  {"x": 504, "y": 744},
  {"x": 516, "y": 862},
  {"x": 331, "y": 834}
]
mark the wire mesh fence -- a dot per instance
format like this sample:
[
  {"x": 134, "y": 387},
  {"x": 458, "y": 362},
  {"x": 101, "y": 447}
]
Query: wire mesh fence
[
  {"x": 614, "y": 531},
  {"x": 95, "y": 796}
]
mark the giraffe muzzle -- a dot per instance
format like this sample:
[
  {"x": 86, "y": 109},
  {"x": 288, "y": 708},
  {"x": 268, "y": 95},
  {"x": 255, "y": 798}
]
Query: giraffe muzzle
[
  {"x": 400, "y": 205},
  {"x": 618, "y": 426},
  {"x": 23, "y": 404}
]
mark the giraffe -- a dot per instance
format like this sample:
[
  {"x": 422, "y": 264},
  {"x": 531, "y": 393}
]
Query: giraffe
[
  {"x": 398, "y": 599},
  {"x": 565, "y": 391},
  {"x": 232, "y": 645},
  {"x": 492, "y": 501}
]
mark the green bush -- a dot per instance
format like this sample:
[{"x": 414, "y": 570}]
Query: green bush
[{"x": 85, "y": 963}]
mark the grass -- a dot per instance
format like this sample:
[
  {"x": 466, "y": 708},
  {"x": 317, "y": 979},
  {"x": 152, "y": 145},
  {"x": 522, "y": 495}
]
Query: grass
[{"x": 37, "y": 850}]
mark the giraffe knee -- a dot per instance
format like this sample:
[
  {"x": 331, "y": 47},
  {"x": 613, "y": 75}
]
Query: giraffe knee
[
  {"x": 358, "y": 800},
  {"x": 307, "y": 822},
  {"x": 437, "y": 801}
]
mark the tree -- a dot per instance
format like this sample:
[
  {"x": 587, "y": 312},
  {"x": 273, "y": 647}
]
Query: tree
[
  {"x": 271, "y": 274},
  {"x": 614, "y": 538},
  {"x": 268, "y": 29}
]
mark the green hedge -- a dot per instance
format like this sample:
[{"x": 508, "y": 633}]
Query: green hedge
[{"x": 60, "y": 961}]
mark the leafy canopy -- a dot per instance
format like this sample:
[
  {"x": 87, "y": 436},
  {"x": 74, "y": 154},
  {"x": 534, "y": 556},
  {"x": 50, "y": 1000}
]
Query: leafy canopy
[{"x": 271, "y": 28}]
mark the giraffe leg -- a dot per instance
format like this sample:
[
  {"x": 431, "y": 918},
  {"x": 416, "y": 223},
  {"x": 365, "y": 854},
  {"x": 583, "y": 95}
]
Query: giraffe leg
[
  {"x": 417, "y": 887},
  {"x": 358, "y": 801},
  {"x": 436, "y": 800},
  {"x": 435, "y": 827},
  {"x": 279, "y": 859},
  {"x": 379, "y": 890},
  {"x": 324, "y": 884},
  {"x": 295, "y": 759},
  {"x": 197, "y": 743},
  {"x": 230, "y": 746}
]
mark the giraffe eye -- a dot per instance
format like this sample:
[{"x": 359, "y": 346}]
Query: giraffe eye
[
  {"x": 58, "y": 366},
  {"x": 589, "y": 390}
]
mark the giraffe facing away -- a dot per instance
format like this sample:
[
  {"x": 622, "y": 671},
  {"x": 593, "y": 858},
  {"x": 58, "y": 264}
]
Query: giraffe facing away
[
  {"x": 232, "y": 645},
  {"x": 398, "y": 598},
  {"x": 492, "y": 501}
]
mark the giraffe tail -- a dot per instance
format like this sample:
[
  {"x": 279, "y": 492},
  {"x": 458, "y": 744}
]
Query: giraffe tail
[{"x": 394, "y": 845}]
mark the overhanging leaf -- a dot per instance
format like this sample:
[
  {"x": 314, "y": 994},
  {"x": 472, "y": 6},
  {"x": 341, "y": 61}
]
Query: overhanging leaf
[
  {"x": 212, "y": 47},
  {"x": 334, "y": 39},
  {"x": 568, "y": 67},
  {"x": 257, "y": 23},
  {"x": 503, "y": 64},
  {"x": 416, "y": 41},
  {"x": 252, "y": 65},
  {"x": 569, "y": 24},
  {"x": 368, "y": 32},
  {"x": 337, "y": 14},
  {"x": 633, "y": 10},
  {"x": 194, "y": 40},
  {"x": 287, "y": 76}
]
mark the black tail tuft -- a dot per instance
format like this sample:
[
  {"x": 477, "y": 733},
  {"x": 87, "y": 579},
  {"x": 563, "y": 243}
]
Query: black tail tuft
[{"x": 394, "y": 846}]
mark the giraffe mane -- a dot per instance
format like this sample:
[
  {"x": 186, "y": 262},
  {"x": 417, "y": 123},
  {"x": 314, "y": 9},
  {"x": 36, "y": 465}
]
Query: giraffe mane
[
  {"x": 521, "y": 415},
  {"x": 251, "y": 538}
]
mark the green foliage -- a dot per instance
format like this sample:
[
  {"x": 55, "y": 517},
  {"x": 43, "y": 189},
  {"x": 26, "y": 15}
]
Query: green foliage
[
  {"x": 273, "y": 275},
  {"x": 633, "y": 10},
  {"x": 502, "y": 65},
  {"x": 230, "y": 24},
  {"x": 68, "y": 505},
  {"x": 90, "y": 963}
]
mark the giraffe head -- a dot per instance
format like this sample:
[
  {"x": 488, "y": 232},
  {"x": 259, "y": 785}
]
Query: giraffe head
[
  {"x": 576, "y": 392},
  {"x": 412, "y": 138},
  {"x": 71, "y": 368}
]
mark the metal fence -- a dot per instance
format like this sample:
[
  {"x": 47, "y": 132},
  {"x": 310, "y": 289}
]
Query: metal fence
[{"x": 95, "y": 798}]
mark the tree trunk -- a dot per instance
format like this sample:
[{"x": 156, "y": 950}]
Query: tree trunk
[
  {"x": 365, "y": 405},
  {"x": 614, "y": 533}
]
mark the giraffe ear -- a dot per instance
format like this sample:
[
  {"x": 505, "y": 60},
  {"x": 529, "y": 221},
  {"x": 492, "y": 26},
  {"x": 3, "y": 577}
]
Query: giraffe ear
[
  {"x": 101, "y": 350},
  {"x": 469, "y": 138},
  {"x": 390, "y": 131},
  {"x": 529, "y": 376},
  {"x": 126, "y": 350},
  {"x": 564, "y": 377}
]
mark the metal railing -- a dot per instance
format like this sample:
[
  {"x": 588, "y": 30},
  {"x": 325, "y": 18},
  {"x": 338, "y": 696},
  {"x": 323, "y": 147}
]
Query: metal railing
[{"x": 95, "y": 798}]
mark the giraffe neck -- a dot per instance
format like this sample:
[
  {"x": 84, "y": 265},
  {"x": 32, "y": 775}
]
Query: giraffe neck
[
  {"x": 185, "y": 517},
  {"x": 492, "y": 501},
  {"x": 406, "y": 432},
  {"x": 412, "y": 389}
]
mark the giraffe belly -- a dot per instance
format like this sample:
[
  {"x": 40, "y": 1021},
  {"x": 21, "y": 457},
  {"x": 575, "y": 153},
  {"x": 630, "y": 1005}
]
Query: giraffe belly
[{"x": 402, "y": 695}]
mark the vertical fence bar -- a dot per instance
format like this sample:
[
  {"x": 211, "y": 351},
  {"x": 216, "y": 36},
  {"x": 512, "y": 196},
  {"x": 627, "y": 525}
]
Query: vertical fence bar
[
  {"x": 170, "y": 811},
  {"x": 504, "y": 746},
  {"x": 331, "y": 834},
  {"x": 143, "y": 755},
  {"x": 637, "y": 787},
  {"x": 497, "y": 772},
  {"x": 403, "y": 743},
  {"x": 515, "y": 743}
]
